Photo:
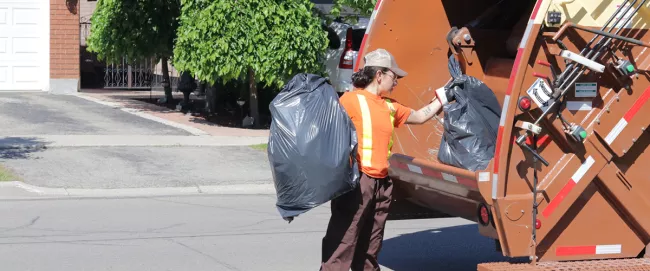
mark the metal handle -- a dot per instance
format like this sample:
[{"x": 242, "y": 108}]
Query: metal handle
[
  {"x": 539, "y": 75},
  {"x": 599, "y": 32},
  {"x": 535, "y": 154}
]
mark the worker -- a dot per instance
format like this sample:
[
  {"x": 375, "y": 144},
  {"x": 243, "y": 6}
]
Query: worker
[{"x": 355, "y": 232}]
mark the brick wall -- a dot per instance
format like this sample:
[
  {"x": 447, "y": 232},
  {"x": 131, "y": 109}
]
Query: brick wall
[{"x": 64, "y": 39}]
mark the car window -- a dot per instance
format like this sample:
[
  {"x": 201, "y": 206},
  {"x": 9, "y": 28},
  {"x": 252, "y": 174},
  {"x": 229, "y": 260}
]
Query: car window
[
  {"x": 357, "y": 38},
  {"x": 333, "y": 39}
]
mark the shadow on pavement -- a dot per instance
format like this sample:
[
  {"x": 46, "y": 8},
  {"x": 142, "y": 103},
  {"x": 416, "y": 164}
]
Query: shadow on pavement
[
  {"x": 450, "y": 249},
  {"x": 20, "y": 147}
]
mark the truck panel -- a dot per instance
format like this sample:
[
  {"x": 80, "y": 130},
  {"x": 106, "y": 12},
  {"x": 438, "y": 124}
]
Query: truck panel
[{"x": 592, "y": 194}]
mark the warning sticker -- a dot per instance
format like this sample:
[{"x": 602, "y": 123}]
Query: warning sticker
[
  {"x": 586, "y": 89},
  {"x": 540, "y": 92}
]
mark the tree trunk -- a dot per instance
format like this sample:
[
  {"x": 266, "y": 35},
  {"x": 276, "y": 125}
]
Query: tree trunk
[
  {"x": 169, "y": 98},
  {"x": 211, "y": 98},
  {"x": 252, "y": 86}
]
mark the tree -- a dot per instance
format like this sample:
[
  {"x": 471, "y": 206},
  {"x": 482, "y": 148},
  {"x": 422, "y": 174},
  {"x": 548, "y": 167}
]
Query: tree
[
  {"x": 265, "y": 41},
  {"x": 135, "y": 29},
  {"x": 363, "y": 7}
]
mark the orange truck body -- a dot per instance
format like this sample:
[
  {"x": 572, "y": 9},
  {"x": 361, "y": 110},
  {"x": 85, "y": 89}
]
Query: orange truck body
[{"x": 594, "y": 196}]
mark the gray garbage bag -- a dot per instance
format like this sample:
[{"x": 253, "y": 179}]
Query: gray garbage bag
[
  {"x": 470, "y": 124},
  {"x": 312, "y": 146}
]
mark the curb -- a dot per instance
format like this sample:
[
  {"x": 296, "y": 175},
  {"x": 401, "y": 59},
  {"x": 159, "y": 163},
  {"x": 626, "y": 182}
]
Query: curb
[{"x": 237, "y": 189}]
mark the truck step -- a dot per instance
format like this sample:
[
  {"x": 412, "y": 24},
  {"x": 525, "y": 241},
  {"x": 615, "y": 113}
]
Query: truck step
[{"x": 595, "y": 265}]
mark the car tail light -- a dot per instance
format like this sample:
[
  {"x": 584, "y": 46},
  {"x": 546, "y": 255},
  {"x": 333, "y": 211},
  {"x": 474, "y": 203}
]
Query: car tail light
[{"x": 347, "y": 57}]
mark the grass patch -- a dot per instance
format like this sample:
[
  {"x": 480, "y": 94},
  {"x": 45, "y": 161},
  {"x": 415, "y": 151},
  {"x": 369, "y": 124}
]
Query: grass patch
[
  {"x": 6, "y": 175},
  {"x": 260, "y": 147}
]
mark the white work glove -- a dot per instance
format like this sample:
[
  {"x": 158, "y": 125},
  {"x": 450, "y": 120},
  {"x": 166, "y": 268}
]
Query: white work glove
[{"x": 444, "y": 95}]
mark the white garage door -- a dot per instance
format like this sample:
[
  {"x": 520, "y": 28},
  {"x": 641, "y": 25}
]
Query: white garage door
[{"x": 24, "y": 44}]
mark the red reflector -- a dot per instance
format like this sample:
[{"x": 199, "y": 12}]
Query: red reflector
[
  {"x": 524, "y": 103},
  {"x": 484, "y": 215},
  {"x": 538, "y": 224}
]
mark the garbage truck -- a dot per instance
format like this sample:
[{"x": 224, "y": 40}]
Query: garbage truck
[{"x": 568, "y": 184}]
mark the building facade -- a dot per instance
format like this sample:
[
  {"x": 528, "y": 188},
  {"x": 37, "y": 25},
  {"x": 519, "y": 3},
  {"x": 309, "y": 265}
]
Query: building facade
[{"x": 39, "y": 45}]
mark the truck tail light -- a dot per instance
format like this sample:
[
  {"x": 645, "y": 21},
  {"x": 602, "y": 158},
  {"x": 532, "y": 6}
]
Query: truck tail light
[
  {"x": 483, "y": 215},
  {"x": 524, "y": 103}
]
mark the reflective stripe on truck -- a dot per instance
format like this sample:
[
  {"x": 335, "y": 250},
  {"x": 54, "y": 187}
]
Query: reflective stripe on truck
[
  {"x": 577, "y": 176},
  {"x": 611, "y": 136},
  {"x": 588, "y": 250},
  {"x": 407, "y": 163},
  {"x": 506, "y": 100},
  {"x": 365, "y": 36}
]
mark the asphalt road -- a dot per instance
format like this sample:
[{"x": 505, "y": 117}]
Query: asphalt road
[
  {"x": 209, "y": 233},
  {"x": 137, "y": 167}
]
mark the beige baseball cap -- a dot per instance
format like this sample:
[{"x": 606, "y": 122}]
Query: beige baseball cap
[{"x": 382, "y": 58}]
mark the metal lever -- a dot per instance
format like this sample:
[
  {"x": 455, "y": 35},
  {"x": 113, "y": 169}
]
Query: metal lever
[
  {"x": 539, "y": 75},
  {"x": 598, "y": 32},
  {"x": 533, "y": 152},
  {"x": 592, "y": 65},
  {"x": 553, "y": 71},
  {"x": 545, "y": 77}
]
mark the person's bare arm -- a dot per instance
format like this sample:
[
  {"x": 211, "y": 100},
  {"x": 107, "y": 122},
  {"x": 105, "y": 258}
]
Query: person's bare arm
[
  {"x": 443, "y": 97},
  {"x": 425, "y": 113}
]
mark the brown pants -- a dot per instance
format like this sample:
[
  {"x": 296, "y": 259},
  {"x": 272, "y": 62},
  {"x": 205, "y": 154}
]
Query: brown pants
[{"x": 356, "y": 228}]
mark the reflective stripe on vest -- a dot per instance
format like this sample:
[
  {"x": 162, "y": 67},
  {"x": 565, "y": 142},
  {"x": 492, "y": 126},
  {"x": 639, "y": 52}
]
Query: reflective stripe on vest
[
  {"x": 366, "y": 142},
  {"x": 392, "y": 123}
]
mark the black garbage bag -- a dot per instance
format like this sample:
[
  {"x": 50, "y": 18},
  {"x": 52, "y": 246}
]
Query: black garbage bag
[
  {"x": 312, "y": 146},
  {"x": 470, "y": 124}
]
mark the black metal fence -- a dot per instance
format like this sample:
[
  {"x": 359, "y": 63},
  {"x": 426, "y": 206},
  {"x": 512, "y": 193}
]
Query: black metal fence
[{"x": 122, "y": 75}]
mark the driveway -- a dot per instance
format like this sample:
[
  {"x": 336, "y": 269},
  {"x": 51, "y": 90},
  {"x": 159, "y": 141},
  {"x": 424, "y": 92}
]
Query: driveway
[
  {"x": 47, "y": 114},
  {"x": 70, "y": 142}
]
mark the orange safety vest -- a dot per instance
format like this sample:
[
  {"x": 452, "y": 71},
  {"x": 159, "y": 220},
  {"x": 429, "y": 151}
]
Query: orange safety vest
[
  {"x": 366, "y": 144},
  {"x": 374, "y": 118}
]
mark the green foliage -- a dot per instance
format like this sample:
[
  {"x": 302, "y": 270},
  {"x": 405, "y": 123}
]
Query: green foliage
[
  {"x": 8, "y": 175},
  {"x": 363, "y": 7},
  {"x": 221, "y": 40},
  {"x": 260, "y": 147},
  {"x": 136, "y": 29}
]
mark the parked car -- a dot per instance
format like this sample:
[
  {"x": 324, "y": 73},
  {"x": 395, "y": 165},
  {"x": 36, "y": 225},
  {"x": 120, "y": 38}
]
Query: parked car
[{"x": 344, "y": 43}]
